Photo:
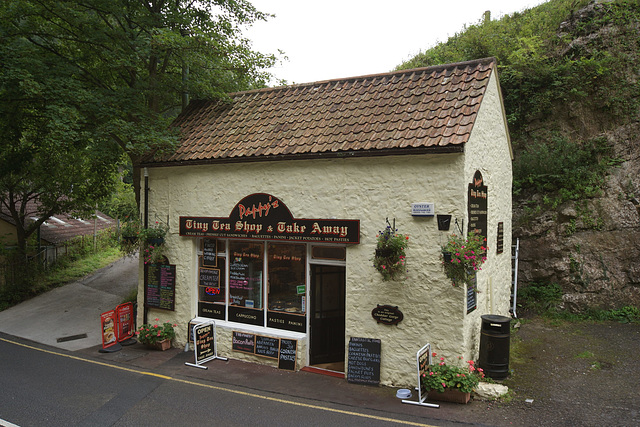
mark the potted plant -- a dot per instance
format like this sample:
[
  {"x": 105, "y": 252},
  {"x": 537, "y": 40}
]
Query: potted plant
[
  {"x": 461, "y": 258},
  {"x": 130, "y": 237},
  {"x": 451, "y": 383},
  {"x": 390, "y": 257},
  {"x": 155, "y": 335}
]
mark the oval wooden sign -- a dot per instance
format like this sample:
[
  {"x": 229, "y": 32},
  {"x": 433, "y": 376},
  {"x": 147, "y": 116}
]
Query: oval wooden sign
[{"x": 387, "y": 314}]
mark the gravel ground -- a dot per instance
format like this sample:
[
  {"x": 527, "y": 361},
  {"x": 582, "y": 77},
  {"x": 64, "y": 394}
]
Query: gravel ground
[{"x": 569, "y": 374}]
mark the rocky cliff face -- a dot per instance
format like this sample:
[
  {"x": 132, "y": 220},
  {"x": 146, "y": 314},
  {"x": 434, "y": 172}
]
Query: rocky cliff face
[{"x": 591, "y": 247}]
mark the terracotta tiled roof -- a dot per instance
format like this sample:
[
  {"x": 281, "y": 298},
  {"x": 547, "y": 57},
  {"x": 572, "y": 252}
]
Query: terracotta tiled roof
[{"x": 427, "y": 109}]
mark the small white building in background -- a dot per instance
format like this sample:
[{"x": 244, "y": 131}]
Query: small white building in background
[{"x": 274, "y": 199}]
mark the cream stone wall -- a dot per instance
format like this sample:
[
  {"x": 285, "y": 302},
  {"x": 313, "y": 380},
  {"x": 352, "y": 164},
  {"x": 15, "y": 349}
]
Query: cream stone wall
[
  {"x": 488, "y": 150},
  {"x": 370, "y": 190}
]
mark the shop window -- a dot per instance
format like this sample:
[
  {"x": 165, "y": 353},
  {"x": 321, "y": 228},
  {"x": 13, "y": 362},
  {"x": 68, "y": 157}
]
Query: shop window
[
  {"x": 245, "y": 274},
  {"x": 212, "y": 289},
  {"x": 286, "y": 292},
  {"x": 335, "y": 253},
  {"x": 211, "y": 283},
  {"x": 287, "y": 278}
]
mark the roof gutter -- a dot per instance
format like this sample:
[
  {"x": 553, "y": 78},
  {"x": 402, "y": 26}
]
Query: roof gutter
[{"x": 447, "y": 149}]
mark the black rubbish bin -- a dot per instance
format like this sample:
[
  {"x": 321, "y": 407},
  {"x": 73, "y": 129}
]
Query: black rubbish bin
[{"x": 494, "y": 346}]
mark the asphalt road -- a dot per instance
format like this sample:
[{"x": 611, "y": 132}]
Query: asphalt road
[
  {"x": 42, "y": 386},
  {"x": 68, "y": 317}
]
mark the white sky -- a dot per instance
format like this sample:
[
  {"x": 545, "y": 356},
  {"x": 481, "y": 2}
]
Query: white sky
[{"x": 330, "y": 39}]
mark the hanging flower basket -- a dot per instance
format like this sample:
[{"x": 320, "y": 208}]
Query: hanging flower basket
[
  {"x": 390, "y": 257},
  {"x": 462, "y": 258},
  {"x": 129, "y": 237},
  {"x": 153, "y": 237}
]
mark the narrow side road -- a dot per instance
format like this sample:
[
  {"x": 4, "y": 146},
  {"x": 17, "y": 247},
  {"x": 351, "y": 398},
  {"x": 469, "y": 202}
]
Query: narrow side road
[{"x": 68, "y": 317}]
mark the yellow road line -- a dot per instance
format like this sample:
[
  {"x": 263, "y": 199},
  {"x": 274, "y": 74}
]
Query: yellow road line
[{"x": 213, "y": 387}]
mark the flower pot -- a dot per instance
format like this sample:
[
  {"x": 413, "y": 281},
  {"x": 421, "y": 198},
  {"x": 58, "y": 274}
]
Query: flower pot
[
  {"x": 159, "y": 345},
  {"x": 446, "y": 256},
  {"x": 155, "y": 241},
  {"x": 449, "y": 395}
]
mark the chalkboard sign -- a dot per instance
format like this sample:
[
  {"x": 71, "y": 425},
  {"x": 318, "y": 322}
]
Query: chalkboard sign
[
  {"x": 204, "y": 343},
  {"x": 210, "y": 277},
  {"x": 160, "y": 290},
  {"x": 364, "y": 361},
  {"x": 500, "y": 241},
  {"x": 243, "y": 342},
  {"x": 267, "y": 346},
  {"x": 472, "y": 302},
  {"x": 287, "y": 356},
  {"x": 209, "y": 252},
  {"x": 477, "y": 205},
  {"x": 424, "y": 360}
]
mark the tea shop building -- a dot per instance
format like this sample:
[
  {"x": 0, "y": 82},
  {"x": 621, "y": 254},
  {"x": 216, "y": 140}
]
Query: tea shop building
[{"x": 274, "y": 201}]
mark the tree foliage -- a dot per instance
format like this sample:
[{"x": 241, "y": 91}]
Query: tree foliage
[
  {"x": 84, "y": 81},
  {"x": 135, "y": 58},
  {"x": 568, "y": 71},
  {"x": 47, "y": 152}
]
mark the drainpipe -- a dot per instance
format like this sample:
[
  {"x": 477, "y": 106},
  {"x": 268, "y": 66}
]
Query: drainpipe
[{"x": 146, "y": 225}]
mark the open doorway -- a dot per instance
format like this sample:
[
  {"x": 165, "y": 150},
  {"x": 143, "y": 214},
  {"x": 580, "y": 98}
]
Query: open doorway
[{"x": 327, "y": 317}]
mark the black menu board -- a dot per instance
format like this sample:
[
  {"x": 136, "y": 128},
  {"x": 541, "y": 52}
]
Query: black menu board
[
  {"x": 160, "y": 289},
  {"x": 267, "y": 346},
  {"x": 287, "y": 356},
  {"x": 472, "y": 303},
  {"x": 209, "y": 253},
  {"x": 364, "y": 361},
  {"x": 210, "y": 277},
  {"x": 477, "y": 205},
  {"x": 242, "y": 341}
]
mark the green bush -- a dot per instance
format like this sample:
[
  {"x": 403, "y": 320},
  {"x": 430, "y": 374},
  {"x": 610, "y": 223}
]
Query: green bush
[
  {"x": 539, "y": 297},
  {"x": 569, "y": 170}
]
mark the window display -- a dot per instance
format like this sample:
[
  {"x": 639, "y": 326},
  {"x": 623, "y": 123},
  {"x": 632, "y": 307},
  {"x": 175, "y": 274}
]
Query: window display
[{"x": 287, "y": 289}]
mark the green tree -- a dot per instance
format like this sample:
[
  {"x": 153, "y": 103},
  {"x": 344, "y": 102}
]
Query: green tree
[
  {"x": 47, "y": 152},
  {"x": 137, "y": 58}
]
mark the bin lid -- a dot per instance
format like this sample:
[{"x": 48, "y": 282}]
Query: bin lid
[{"x": 495, "y": 318}]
